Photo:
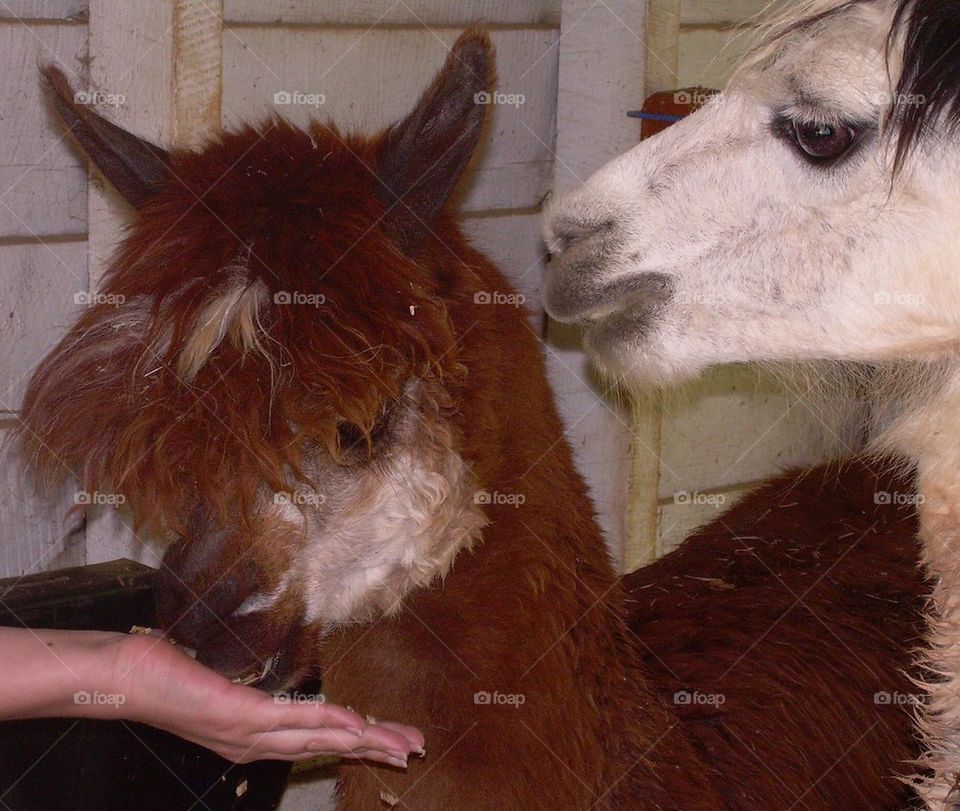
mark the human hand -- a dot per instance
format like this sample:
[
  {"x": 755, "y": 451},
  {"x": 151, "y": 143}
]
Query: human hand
[{"x": 165, "y": 688}]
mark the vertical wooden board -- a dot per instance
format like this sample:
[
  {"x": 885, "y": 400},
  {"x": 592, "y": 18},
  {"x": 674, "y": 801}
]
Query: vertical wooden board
[
  {"x": 364, "y": 79},
  {"x": 737, "y": 425},
  {"x": 43, "y": 187},
  {"x": 709, "y": 56},
  {"x": 514, "y": 245},
  {"x": 712, "y": 12},
  {"x": 391, "y": 12},
  {"x": 43, "y": 10},
  {"x": 662, "y": 46},
  {"x": 37, "y": 532},
  {"x": 131, "y": 47},
  {"x": 601, "y": 76},
  {"x": 42, "y": 289}
]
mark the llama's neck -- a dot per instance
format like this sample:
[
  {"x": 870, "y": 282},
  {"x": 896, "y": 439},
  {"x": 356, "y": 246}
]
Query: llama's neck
[{"x": 929, "y": 435}]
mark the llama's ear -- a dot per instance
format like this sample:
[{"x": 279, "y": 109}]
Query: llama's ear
[
  {"x": 135, "y": 167},
  {"x": 423, "y": 156}
]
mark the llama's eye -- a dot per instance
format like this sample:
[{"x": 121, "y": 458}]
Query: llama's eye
[{"x": 821, "y": 141}]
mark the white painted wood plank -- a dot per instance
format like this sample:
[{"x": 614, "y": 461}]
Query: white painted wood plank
[
  {"x": 37, "y": 532},
  {"x": 131, "y": 47},
  {"x": 39, "y": 286},
  {"x": 601, "y": 75},
  {"x": 692, "y": 509},
  {"x": 43, "y": 10},
  {"x": 715, "y": 12},
  {"x": 42, "y": 179},
  {"x": 736, "y": 425},
  {"x": 409, "y": 12},
  {"x": 709, "y": 56},
  {"x": 368, "y": 79},
  {"x": 514, "y": 245}
]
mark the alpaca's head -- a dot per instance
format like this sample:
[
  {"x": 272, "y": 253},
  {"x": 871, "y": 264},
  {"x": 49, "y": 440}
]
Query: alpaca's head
[
  {"x": 811, "y": 211},
  {"x": 269, "y": 373}
]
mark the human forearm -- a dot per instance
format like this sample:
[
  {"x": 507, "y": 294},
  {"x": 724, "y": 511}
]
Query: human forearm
[{"x": 46, "y": 673}]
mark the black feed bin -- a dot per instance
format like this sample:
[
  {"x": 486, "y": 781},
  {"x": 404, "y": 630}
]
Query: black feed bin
[{"x": 84, "y": 765}]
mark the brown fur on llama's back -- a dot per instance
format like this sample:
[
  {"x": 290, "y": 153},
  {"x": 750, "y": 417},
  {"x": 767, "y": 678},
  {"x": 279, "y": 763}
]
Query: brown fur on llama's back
[
  {"x": 203, "y": 390},
  {"x": 802, "y": 607}
]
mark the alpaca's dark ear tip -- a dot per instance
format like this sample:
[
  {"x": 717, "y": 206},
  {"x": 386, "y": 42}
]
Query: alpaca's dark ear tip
[
  {"x": 56, "y": 81},
  {"x": 475, "y": 54}
]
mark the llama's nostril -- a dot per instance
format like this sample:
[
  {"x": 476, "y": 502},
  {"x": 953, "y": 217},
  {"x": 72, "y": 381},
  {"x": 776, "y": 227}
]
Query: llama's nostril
[{"x": 568, "y": 233}]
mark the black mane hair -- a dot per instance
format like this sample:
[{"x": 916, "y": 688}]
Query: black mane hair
[{"x": 928, "y": 92}]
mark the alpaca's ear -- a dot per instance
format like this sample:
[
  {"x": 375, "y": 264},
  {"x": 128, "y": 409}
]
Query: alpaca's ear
[
  {"x": 423, "y": 156},
  {"x": 136, "y": 168}
]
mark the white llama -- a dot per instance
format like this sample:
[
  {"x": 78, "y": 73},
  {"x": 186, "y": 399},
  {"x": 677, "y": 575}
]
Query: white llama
[{"x": 809, "y": 213}]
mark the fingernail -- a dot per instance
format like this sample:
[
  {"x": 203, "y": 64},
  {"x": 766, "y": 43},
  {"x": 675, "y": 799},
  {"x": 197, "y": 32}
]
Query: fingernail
[
  {"x": 358, "y": 731},
  {"x": 421, "y": 752},
  {"x": 399, "y": 762}
]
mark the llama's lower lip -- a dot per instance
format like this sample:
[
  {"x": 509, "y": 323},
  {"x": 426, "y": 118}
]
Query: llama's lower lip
[
  {"x": 580, "y": 300},
  {"x": 605, "y": 337}
]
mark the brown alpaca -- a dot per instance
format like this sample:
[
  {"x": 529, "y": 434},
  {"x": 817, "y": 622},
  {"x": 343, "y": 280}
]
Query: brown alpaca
[{"x": 363, "y": 475}]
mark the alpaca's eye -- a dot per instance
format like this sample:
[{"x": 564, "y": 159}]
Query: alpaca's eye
[
  {"x": 354, "y": 445},
  {"x": 350, "y": 439},
  {"x": 821, "y": 141}
]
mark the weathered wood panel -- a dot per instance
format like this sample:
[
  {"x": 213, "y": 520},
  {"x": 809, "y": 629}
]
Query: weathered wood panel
[
  {"x": 390, "y": 12},
  {"x": 42, "y": 180},
  {"x": 513, "y": 243},
  {"x": 41, "y": 291},
  {"x": 36, "y": 531},
  {"x": 367, "y": 79},
  {"x": 708, "y": 56},
  {"x": 43, "y": 10},
  {"x": 736, "y": 425},
  {"x": 727, "y": 12}
]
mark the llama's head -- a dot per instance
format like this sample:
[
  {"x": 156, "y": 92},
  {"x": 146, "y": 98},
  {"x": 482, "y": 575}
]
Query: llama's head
[
  {"x": 809, "y": 212},
  {"x": 270, "y": 372}
]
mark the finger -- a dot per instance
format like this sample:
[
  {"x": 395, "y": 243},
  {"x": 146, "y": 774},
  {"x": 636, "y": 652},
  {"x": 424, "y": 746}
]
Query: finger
[
  {"x": 385, "y": 738},
  {"x": 412, "y": 734}
]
